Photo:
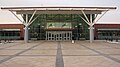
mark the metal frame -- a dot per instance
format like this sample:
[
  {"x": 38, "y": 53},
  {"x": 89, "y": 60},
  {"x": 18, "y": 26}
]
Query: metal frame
[
  {"x": 16, "y": 16},
  {"x": 99, "y": 17},
  {"x": 92, "y": 22},
  {"x": 26, "y": 23}
]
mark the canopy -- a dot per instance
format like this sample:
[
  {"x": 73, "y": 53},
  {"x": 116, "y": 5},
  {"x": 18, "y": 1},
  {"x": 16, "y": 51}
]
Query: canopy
[{"x": 58, "y": 10}]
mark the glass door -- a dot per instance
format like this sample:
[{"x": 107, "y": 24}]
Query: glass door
[{"x": 58, "y": 35}]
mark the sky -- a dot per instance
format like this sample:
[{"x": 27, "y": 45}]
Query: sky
[{"x": 111, "y": 16}]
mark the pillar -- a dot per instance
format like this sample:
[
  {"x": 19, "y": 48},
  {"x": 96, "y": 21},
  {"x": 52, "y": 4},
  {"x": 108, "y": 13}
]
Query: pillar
[
  {"x": 26, "y": 34},
  {"x": 91, "y": 34}
]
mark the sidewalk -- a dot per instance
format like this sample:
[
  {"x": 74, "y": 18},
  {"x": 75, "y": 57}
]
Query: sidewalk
[{"x": 60, "y": 54}]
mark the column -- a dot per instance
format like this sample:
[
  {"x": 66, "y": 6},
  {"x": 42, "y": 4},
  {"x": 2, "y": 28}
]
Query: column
[
  {"x": 26, "y": 34},
  {"x": 91, "y": 34}
]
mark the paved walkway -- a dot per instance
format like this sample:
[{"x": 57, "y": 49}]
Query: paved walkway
[{"x": 60, "y": 54}]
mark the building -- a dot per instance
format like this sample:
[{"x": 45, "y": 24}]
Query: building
[
  {"x": 107, "y": 31},
  {"x": 102, "y": 31},
  {"x": 11, "y": 31},
  {"x": 59, "y": 23}
]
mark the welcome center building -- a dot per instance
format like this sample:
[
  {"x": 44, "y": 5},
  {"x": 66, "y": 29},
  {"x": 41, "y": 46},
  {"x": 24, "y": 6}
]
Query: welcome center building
[{"x": 59, "y": 23}]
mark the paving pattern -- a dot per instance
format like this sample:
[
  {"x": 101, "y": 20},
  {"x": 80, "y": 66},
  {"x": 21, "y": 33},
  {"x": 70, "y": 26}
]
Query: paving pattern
[
  {"x": 60, "y": 54},
  {"x": 59, "y": 57}
]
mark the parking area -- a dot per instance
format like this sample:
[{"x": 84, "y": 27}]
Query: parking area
[{"x": 60, "y": 54}]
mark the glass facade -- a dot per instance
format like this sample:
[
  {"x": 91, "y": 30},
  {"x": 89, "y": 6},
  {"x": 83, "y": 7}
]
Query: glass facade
[{"x": 44, "y": 22}]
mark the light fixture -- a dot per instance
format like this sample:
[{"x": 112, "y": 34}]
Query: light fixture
[
  {"x": 75, "y": 26},
  {"x": 42, "y": 26},
  {"x": 28, "y": 28},
  {"x": 80, "y": 23}
]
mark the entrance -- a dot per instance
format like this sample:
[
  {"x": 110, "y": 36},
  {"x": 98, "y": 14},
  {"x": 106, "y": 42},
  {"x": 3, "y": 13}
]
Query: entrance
[{"x": 58, "y": 35}]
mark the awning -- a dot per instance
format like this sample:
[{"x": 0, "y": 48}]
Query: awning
[{"x": 58, "y": 10}]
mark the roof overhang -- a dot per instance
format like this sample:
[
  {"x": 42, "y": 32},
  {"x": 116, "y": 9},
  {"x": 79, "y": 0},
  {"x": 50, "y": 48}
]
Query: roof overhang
[{"x": 58, "y": 10}]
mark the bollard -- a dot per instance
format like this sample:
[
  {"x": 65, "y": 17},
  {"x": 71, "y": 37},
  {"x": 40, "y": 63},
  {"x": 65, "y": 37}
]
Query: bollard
[{"x": 73, "y": 41}]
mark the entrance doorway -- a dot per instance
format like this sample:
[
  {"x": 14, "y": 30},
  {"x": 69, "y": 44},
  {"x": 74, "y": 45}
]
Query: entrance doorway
[{"x": 58, "y": 35}]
